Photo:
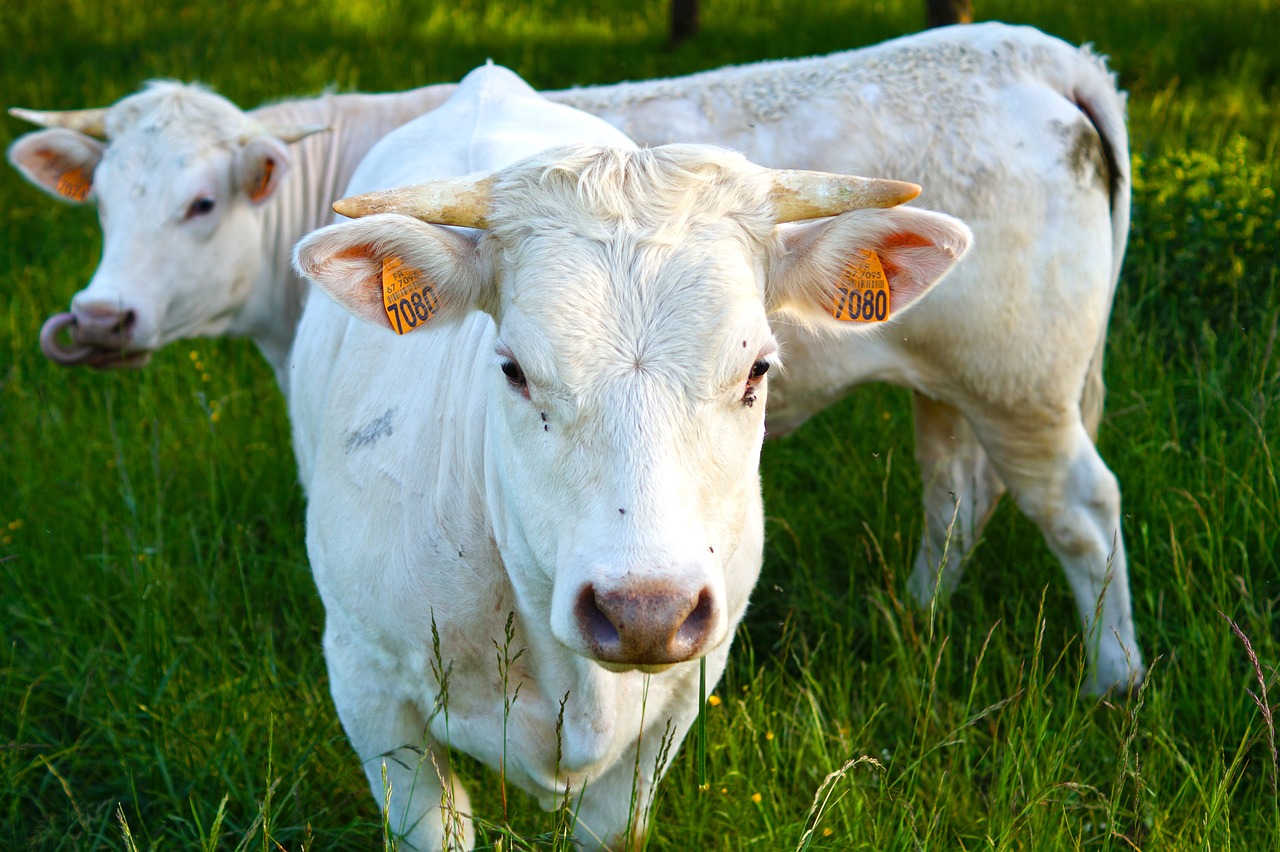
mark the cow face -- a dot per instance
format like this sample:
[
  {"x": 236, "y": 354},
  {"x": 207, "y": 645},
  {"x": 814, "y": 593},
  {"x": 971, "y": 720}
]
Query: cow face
[
  {"x": 178, "y": 189},
  {"x": 631, "y": 293}
]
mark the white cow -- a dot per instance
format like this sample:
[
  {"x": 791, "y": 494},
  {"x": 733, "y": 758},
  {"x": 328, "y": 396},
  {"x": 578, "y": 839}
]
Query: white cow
[
  {"x": 1020, "y": 135},
  {"x": 200, "y": 204},
  {"x": 571, "y": 434}
]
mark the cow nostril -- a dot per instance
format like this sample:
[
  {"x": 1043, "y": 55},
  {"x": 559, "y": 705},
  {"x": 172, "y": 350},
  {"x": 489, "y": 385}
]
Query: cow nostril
[
  {"x": 597, "y": 628},
  {"x": 693, "y": 633},
  {"x": 124, "y": 326}
]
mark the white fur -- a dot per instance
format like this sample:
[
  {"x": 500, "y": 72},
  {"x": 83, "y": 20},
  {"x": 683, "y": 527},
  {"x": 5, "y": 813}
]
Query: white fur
[{"x": 632, "y": 288}]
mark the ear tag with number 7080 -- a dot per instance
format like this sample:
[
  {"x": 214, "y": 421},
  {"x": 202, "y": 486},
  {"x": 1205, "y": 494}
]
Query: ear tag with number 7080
[
  {"x": 75, "y": 184},
  {"x": 407, "y": 297},
  {"x": 862, "y": 295}
]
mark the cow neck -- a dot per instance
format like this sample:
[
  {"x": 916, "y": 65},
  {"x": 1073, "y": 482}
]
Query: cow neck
[{"x": 323, "y": 164}]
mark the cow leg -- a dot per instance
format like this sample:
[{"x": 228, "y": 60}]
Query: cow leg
[
  {"x": 961, "y": 489},
  {"x": 388, "y": 731},
  {"x": 1058, "y": 479}
]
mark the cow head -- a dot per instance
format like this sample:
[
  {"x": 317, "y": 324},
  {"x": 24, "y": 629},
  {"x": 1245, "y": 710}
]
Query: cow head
[
  {"x": 632, "y": 293},
  {"x": 179, "y": 184}
]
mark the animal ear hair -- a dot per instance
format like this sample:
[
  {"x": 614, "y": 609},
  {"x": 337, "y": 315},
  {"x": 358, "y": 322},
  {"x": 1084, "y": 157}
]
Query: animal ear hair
[
  {"x": 862, "y": 268},
  {"x": 396, "y": 272},
  {"x": 59, "y": 161},
  {"x": 260, "y": 167}
]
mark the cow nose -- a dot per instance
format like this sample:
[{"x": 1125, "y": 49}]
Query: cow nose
[
  {"x": 105, "y": 326},
  {"x": 645, "y": 624}
]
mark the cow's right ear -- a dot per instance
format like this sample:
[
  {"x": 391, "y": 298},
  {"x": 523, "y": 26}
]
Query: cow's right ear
[
  {"x": 59, "y": 161},
  {"x": 864, "y": 267},
  {"x": 396, "y": 272}
]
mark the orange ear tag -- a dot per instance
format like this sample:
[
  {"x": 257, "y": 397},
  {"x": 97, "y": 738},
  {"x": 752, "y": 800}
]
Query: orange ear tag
[
  {"x": 74, "y": 185},
  {"x": 264, "y": 180},
  {"x": 407, "y": 297},
  {"x": 863, "y": 292}
]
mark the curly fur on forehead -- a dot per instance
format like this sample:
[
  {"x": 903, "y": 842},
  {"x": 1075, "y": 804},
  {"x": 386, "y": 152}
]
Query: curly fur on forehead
[
  {"x": 660, "y": 192},
  {"x": 175, "y": 110}
]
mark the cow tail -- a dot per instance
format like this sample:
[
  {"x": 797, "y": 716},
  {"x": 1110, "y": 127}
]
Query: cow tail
[{"x": 1097, "y": 96}]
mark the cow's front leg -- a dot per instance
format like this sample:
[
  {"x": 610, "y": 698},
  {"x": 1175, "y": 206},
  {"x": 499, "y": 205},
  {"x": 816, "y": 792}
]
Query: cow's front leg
[
  {"x": 424, "y": 803},
  {"x": 961, "y": 489}
]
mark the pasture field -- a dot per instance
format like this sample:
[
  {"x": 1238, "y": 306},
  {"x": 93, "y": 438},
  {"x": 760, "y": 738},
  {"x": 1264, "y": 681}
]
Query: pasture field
[{"x": 161, "y": 679}]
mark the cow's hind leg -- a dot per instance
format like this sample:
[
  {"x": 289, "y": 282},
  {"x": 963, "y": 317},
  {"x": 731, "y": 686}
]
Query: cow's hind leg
[
  {"x": 961, "y": 489},
  {"x": 424, "y": 804},
  {"x": 1058, "y": 479}
]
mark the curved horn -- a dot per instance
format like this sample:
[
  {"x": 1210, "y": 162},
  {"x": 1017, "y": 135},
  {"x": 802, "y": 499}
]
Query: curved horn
[
  {"x": 808, "y": 195},
  {"x": 456, "y": 201},
  {"x": 91, "y": 122}
]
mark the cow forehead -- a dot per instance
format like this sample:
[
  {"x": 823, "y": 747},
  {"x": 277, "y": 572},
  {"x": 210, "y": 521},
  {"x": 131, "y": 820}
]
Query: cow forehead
[
  {"x": 617, "y": 261},
  {"x": 626, "y": 230},
  {"x": 576, "y": 312},
  {"x": 175, "y": 110},
  {"x": 656, "y": 193},
  {"x": 167, "y": 125}
]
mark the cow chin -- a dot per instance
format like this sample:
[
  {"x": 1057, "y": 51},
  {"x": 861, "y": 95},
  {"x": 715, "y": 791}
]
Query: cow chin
[{"x": 625, "y": 668}]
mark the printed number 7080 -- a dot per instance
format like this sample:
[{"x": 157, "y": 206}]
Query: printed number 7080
[
  {"x": 418, "y": 308},
  {"x": 853, "y": 303}
]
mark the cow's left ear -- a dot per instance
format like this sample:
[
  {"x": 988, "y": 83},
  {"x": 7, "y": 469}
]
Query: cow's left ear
[
  {"x": 396, "y": 272},
  {"x": 260, "y": 166},
  {"x": 864, "y": 267}
]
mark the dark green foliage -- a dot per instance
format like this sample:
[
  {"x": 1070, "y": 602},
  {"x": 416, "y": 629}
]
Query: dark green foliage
[{"x": 1209, "y": 221}]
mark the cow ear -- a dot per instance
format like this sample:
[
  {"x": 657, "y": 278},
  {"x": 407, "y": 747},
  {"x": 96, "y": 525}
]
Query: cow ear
[
  {"x": 260, "y": 167},
  {"x": 59, "y": 161},
  {"x": 863, "y": 268},
  {"x": 396, "y": 272}
]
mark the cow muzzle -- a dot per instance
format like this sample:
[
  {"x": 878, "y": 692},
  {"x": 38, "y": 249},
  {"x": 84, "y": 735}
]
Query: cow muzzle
[
  {"x": 93, "y": 338},
  {"x": 648, "y": 626}
]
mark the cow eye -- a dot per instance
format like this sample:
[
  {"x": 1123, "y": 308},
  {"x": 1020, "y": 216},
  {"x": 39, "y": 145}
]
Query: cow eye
[
  {"x": 201, "y": 207},
  {"x": 515, "y": 375},
  {"x": 758, "y": 369}
]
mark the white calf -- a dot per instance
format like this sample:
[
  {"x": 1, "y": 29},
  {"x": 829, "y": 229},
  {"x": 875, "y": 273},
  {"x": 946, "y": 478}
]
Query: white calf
[{"x": 569, "y": 438}]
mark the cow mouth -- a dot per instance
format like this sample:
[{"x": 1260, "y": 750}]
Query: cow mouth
[
  {"x": 642, "y": 668},
  {"x": 67, "y": 350}
]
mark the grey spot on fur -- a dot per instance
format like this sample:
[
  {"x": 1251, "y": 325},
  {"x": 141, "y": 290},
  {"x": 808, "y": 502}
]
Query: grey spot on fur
[
  {"x": 1084, "y": 152},
  {"x": 371, "y": 432}
]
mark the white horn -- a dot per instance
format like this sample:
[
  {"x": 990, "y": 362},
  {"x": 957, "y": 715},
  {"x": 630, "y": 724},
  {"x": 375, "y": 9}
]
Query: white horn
[
  {"x": 808, "y": 195},
  {"x": 456, "y": 201},
  {"x": 91, "y": 122}
]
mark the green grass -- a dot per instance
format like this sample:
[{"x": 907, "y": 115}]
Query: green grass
[{"x": 161, "y": 681}]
